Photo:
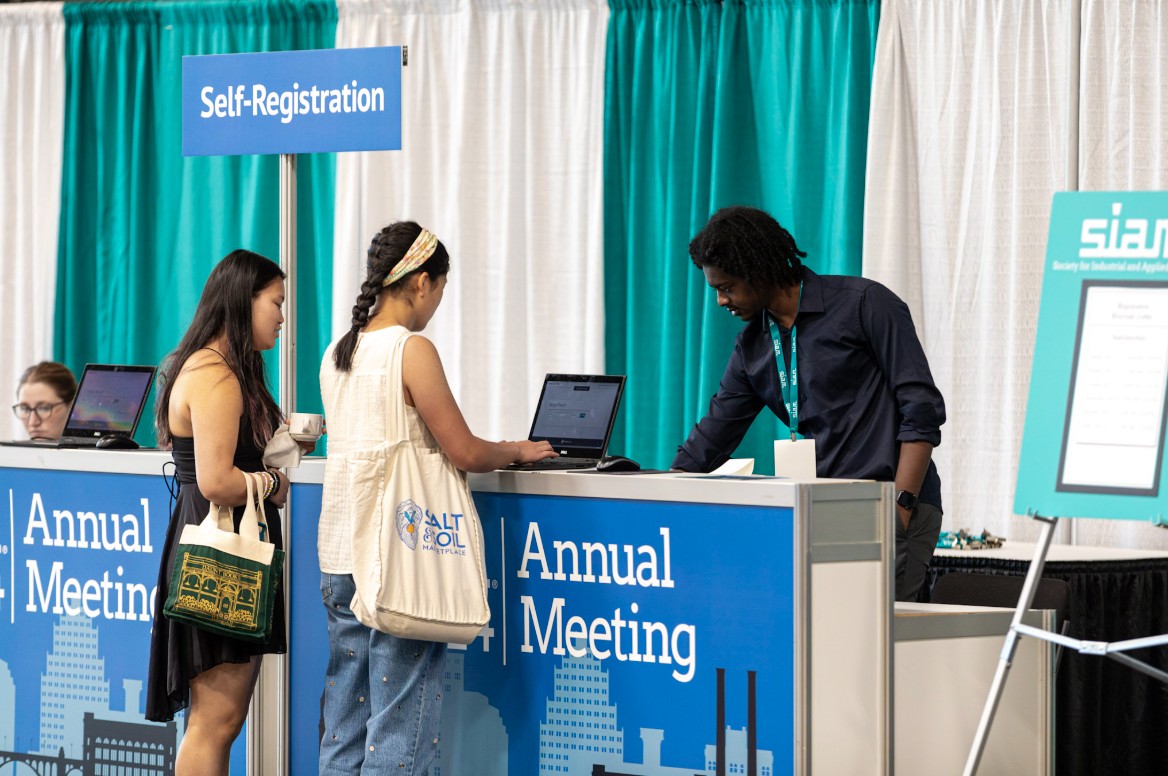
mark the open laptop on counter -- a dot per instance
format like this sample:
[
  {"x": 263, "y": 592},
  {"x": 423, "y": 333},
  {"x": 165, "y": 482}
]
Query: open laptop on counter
[
  {"x": 575, "y": 414},
  {"x": 108, "y": 405}
]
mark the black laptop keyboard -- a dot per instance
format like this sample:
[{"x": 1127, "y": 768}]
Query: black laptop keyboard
[{"x": 556, "y": 463}]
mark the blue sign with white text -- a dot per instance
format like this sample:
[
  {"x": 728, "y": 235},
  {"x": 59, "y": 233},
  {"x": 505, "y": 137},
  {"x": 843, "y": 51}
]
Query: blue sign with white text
[
  {"x": 292, "y": 102},
  {"x": 614, "y": 624},
  {"x": 79, "y": 557},
  {"x": 626, "y": 637}
]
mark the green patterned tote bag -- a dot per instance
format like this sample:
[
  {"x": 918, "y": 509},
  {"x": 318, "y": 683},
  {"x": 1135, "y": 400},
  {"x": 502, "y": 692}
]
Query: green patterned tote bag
[{"x": 223, "y": 581}]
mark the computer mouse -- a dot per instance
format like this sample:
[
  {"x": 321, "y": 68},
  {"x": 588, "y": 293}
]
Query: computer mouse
[
  {"x": 617, "y": 463},
  {"x": 116, "y": 442}
]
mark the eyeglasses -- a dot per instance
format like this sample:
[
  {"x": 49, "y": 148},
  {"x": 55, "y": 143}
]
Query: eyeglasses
[{"x": 43, "y": 411}]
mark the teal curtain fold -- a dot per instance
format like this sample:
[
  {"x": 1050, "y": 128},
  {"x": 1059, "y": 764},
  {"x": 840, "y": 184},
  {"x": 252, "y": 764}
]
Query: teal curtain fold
[
  {"x": 142, "y": 226},
  {"x": 709, "y": 104}
]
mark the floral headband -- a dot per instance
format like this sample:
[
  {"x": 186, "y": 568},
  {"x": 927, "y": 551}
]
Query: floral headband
[{"x": 421, "y": 250}]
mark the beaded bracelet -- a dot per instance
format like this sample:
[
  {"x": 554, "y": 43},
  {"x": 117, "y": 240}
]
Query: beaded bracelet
[{"x": 273, "y": 483}]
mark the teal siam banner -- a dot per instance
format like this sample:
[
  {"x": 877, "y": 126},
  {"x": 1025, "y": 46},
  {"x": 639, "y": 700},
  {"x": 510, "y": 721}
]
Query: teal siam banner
[
  {"x": 1093, "y": 443},
  {"x": 292, "y": 102}
]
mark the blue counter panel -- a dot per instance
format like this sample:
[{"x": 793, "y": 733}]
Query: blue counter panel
[
  {"x": 79, "y": 556},
  {"x": 307, "y": 631},
  {"x": 613, "y": 664}
]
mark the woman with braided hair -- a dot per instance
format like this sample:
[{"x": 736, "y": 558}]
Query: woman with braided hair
[{"x": 382, "y": 702}]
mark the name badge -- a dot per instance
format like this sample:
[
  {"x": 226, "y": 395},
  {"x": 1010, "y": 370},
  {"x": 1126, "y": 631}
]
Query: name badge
[{"x": 795, "y": 460}]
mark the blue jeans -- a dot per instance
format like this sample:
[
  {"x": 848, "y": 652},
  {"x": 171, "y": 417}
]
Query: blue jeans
[{"x": 382, "y": 695}]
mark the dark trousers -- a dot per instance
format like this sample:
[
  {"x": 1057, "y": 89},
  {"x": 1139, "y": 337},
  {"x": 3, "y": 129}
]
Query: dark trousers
[{"x": 914, "y": 549}]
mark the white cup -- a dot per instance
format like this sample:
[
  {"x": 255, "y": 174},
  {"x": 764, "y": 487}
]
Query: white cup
[{"x": 305, "y": 426}]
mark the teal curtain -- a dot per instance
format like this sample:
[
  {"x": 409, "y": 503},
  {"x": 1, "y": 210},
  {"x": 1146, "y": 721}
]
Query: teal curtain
[
  {"x": 142, "y": 226},
  {"x": 709, "y": 104}
]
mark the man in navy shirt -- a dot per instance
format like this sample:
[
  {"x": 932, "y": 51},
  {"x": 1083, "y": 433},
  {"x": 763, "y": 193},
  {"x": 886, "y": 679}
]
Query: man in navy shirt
[{"x": 860, "y": 385}]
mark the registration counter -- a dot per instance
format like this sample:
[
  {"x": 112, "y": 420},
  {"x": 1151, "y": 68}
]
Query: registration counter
[
  {"x": 945, "y": 662},
  {"x": 648, "y": 624}
]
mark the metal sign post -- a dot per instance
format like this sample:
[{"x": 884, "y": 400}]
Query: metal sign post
[
  {"x": 288, "y": 103},
  {"x": 269, "y": 731}
]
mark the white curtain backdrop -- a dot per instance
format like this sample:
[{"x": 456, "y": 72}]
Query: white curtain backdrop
[
  {"x": 971, "y": 134},
  {"x": 32, "y": 93},
  {"x": 502, "y": 122},
  {"x": 1123, "y": 129},
  {"x": 1123, "y": 146}
]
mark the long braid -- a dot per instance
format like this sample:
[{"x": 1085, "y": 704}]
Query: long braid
[
  {"x": 379, "y": 267},
  {"x": 385, "y": 251}
]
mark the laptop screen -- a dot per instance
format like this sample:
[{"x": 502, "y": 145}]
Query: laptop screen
[
  {"x": 110, "y": 398},
  {"x": 576, "y": 413}
]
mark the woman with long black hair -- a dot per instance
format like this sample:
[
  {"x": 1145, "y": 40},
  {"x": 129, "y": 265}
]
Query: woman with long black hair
[{"x": 216, "y": 414}]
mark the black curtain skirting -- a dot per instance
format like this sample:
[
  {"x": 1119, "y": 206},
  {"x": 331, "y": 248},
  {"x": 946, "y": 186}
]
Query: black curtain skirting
[{"x": 1109, "y": 719}]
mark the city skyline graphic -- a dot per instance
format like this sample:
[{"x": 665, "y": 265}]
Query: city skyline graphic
[
  {"x": 581, "y": 732},
  {"x": 78, "y": 728}
]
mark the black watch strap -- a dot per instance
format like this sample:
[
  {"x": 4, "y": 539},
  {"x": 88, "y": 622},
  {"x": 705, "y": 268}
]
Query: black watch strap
[{"x": 906, "y": 499}]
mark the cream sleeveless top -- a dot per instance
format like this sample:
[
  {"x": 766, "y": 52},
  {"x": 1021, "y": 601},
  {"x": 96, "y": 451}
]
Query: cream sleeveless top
[{"x": 355, "y": 407}]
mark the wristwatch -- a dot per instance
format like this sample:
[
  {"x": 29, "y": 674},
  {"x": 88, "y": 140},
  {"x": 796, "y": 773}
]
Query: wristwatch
[{"x": 906, "y": 499}]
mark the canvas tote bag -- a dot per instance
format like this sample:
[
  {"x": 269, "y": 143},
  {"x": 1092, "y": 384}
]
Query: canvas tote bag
[
  {"x": 417, "y": 541},
  {"x": 223, "y": 581}
]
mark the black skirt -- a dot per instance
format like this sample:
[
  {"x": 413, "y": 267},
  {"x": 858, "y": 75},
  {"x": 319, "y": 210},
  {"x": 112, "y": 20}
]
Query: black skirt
[{"x": 179, "y": 652}]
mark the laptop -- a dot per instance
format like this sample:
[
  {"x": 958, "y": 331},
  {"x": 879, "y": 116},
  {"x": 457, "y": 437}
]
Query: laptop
[
  {"x": 109, "y": 402},
  {"x": 576, "y": 414}
]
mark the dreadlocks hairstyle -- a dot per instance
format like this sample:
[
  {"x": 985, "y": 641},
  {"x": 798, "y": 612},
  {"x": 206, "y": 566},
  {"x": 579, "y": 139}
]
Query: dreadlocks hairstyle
[
  {"x": 225, "y": 308},
  {"x": 388, "y": 248},
  {"x": 747, "y": 243}
]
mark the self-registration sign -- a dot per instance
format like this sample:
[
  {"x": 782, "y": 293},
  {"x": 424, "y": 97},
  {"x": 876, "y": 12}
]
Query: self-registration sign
[{"x": 292, "y": 102}]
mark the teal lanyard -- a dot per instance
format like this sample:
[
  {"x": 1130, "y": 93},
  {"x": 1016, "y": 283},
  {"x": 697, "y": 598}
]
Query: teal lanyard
[{"x": 789, "y": 385}]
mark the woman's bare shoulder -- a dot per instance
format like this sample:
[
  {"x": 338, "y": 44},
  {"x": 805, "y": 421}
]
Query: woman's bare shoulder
[
  {"x": 418, "y": 346},
  {"x": 420, "y": 360},
  {"x": 206, "y": 371},
  {"x": 203, "y": 384},
  {"x": 416, "y": 339}
]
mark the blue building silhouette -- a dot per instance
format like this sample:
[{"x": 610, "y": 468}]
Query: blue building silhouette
[
  {"x": 736, "y": 759},
  {"x": 73, "y": 683},
  {"x": 7, "y": 721},
  {"x": 581, "y": 725},
  {"x": 473, "y": 738}
]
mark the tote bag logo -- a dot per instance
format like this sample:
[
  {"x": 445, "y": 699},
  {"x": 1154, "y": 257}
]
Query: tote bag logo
[
  {"x": 409, "y": 520},
  {"x": 220, "y": 588},
  {"x": 443, "y": 533}
]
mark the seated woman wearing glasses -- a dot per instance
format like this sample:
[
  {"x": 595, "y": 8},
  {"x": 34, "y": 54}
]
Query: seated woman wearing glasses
[{"x": 43, "y": 396}]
